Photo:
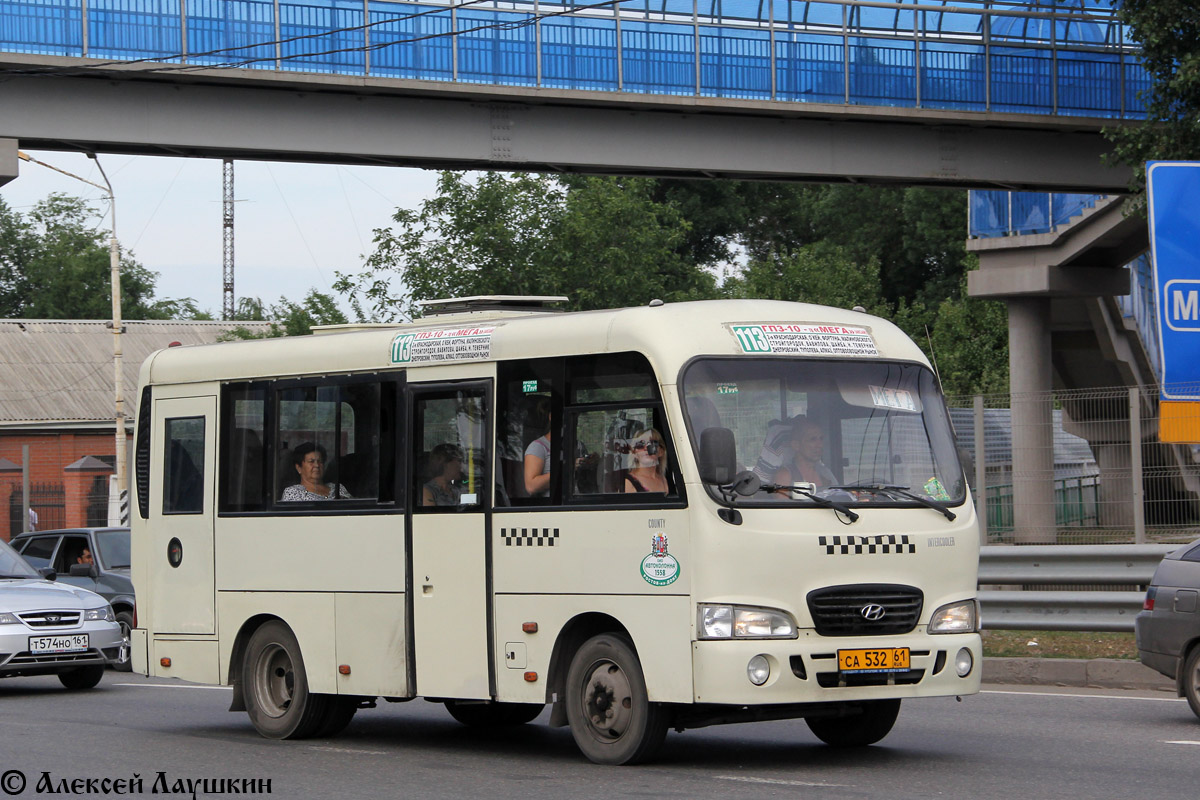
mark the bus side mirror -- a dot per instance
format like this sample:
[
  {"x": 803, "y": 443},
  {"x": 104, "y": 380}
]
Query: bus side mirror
[{"x": 718, "y": 456}]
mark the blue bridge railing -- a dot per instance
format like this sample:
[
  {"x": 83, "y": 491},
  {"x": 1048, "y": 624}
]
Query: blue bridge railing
[{"x": 1063, "y": 57}]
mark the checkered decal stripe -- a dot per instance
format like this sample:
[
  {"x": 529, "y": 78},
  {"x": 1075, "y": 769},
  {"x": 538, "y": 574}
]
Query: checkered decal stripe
[
  {"x": 529, "y": 537},
  {"x": 867, "y": 545}
]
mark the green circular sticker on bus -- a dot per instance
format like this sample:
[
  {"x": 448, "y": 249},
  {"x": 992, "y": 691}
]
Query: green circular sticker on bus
[{"x": 660, "y": 568}]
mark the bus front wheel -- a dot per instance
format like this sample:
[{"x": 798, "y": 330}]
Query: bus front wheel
[
  {"x": 276, "y": 688},
  {"x": 857, "y": 730},
  {"x": 611, "y": 716}
]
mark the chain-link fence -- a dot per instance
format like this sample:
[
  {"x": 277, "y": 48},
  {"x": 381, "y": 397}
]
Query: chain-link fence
[{"x": 1077, "y": 467}]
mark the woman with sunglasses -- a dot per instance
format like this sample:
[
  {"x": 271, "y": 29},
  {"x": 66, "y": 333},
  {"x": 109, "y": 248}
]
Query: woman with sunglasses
[{"x": 649, "y": 471}]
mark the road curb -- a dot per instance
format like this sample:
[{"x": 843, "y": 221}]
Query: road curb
[{"x": 1097, "y": 673}]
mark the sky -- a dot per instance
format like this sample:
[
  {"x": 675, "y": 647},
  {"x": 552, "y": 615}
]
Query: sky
[{"x": 295, "y": 225}]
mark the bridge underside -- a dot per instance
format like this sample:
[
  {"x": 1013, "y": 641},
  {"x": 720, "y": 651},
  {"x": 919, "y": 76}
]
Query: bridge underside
[{"x": 337, "y": 119}]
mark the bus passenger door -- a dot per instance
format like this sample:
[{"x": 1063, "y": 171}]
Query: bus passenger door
[
  {"x": 449, "y": 580},
  {"x": 181, "y": 515}
]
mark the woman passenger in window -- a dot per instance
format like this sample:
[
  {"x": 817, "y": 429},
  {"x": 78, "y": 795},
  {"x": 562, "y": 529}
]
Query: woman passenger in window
[
  {"x": 808, "y": 445},
  {"x": 445, "y": 465},
  {"x": 649, "y": 471},
  {"x": 537, "y": 454},
  {"x": 309, "y": 460}
]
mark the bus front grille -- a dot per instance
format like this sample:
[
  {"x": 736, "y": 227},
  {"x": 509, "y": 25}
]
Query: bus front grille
[{"x": 865, "y": 609}]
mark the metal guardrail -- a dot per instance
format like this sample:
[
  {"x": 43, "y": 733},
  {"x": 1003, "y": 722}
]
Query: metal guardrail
[{"x": 1056, "y": 565}]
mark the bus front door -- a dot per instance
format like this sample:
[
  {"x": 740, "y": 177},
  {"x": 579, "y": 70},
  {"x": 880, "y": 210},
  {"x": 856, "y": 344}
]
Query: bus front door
[{"x": 448, "y": 582}]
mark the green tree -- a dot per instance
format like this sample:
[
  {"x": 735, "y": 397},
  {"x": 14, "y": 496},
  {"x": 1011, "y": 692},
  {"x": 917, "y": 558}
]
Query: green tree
[
  {"x": 604, "y": 242},
  {"x": 1169, "y": 34},
  {"x": 820, "y": 273},
  {"x": 55, "y": 264},
  {"x": 287, "y": 318}
]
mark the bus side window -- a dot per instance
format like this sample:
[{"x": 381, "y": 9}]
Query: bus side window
[
  {"x": 527, "y": 429},
  {"x": 183, "y": 483},
  {"x": 450, "y": 454}
]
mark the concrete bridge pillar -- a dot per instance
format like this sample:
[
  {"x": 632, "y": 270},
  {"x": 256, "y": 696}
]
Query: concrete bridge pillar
[
  {"x": 1032, "y": 423},
  {"x": 8, "y": 160}
]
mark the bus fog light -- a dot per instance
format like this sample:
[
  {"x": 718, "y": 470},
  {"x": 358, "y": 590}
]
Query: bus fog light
[
  {"x": 963, "y": 662},
  {"x": 758, "y": 670}
]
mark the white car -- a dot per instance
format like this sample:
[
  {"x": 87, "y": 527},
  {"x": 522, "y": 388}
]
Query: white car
[{"x": 49, "y": 628}]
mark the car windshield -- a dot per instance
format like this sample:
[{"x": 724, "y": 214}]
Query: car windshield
[
  {"x": 114, "y": 548},
  {"x": 847, "y": 431},
  {"x": 12, "y": 565}
]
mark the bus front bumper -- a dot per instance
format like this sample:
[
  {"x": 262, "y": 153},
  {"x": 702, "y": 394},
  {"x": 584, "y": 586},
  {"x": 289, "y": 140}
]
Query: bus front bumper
[{"x": 806, "y": 670}]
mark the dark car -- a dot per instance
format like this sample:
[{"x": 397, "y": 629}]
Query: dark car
[
  {"x": 1168, "y": 628},
  {"x": 107, "y": 575}
]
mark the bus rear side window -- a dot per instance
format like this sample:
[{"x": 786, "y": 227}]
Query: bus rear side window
[{"x": 183, "y": 479}]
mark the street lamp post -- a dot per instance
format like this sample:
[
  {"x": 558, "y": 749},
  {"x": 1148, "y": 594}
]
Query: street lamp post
[{"x": 114, "y": 257}]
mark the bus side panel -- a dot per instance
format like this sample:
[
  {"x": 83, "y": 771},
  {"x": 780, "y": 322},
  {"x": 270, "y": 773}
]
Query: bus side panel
[
  {"x": 191, "y": 659},
  {"x": 370, "y": 640},
  {"x": 659, "y": 626},
  {"x": 310, "y": 615},
  {"x": 139, "y": 653}
]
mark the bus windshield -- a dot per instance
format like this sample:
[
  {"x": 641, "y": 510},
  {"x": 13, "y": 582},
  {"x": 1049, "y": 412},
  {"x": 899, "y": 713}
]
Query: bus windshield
[{"x": 847, "y": 431}]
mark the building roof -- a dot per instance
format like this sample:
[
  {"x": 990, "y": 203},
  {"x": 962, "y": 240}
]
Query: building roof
[{"x": 60, "y": 372}]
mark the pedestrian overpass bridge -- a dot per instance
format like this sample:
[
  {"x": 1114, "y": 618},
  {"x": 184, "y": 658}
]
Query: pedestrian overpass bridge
[{"x": 976, "y": 93}]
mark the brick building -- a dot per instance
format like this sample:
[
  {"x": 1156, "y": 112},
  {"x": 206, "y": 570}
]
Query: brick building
[{"x": 56, "y": 396}]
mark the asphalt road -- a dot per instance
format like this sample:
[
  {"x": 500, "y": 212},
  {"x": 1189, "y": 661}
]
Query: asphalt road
[{"x": 1009, "y": 742}]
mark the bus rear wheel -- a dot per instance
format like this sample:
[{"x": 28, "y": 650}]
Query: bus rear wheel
[
  {"x": 857, "y": 730},
  {"x": 494, "y": 715},
  {"x": 611, "y": 716},
  {"x": 276, "y": 688}
]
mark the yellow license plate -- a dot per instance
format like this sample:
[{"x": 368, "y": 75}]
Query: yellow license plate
[{"x": 883, "y": 659}]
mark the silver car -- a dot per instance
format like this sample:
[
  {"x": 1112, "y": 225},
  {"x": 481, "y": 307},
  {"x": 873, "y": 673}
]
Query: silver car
[
  {"x": 49, "y": 628},
  {"x": 1168, "y": 628}
]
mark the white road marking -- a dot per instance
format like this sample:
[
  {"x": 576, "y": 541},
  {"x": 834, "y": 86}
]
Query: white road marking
[
  {"x": 1089, "y": 696},
  {"x": 1180, "y": 741},
  {"x": 348, "y": 750},
  {"x": 777, "y": 781},
  {"x": 171, "y": 686}
]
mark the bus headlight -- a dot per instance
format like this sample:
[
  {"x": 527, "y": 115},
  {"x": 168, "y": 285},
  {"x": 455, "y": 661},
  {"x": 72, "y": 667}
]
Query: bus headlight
[
  {"x": 744, "y": 622},
  {"x": 960, "y": 617}
]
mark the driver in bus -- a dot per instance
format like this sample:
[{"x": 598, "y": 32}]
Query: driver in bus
[
  {"x": 309, "y": 460},
  {"x": 807, "y": 442}
]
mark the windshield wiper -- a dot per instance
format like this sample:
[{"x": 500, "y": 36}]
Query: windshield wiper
[
  {"x": 747, "y": 484},
  {"x": 902, "y": 491}
]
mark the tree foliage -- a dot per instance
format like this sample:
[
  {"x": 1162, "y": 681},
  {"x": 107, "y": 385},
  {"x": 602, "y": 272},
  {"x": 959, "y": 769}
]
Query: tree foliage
[
  {"x": 1169, "y": 34},
  {"x": 287, "y": 318},
  {"x": 55, "y": 264},
  {"x": 606, "y": 242}
]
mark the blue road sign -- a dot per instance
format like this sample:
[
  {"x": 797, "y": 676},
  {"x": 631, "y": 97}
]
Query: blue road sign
[{"x": 1174, "y": 191}]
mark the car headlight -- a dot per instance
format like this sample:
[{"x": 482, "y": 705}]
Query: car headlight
[
  {"x": 960, "y": 617},
  {"x": 743, "y": 622},
  {"x": 7, "y": 618},
  {"x": 99, "y": 615}
]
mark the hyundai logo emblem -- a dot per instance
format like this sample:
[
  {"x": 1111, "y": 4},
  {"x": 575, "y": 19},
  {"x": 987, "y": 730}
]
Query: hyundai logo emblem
[{"x": 873, "y": 612}]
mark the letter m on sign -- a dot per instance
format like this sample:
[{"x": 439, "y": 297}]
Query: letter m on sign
[{"x": 1183, "y": 305}]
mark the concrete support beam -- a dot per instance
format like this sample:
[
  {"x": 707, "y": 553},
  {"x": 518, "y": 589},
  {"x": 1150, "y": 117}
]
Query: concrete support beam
[
  {"x": 8, "y": 160},
  {"x": 1041, "y": 280},
  {"x": 1032, "y": 424},
  {"x": 339, "y": 119}
]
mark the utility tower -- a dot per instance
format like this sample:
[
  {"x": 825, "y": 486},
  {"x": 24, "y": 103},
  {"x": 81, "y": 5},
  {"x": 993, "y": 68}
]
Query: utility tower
[{"x": 227, "y": 307}]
